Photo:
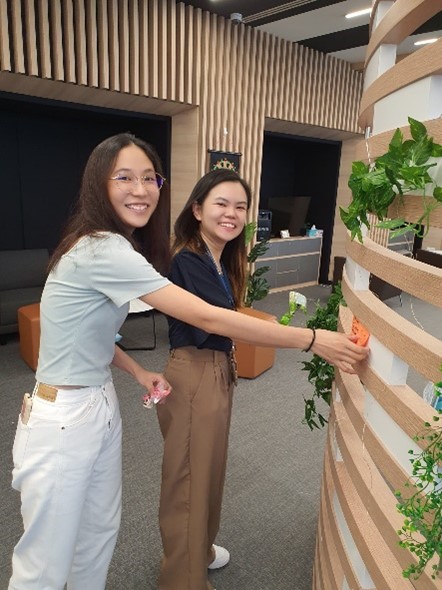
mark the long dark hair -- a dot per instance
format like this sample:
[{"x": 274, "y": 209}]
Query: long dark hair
[
  {"x": 94, "y": 213},
  {"x": 187, "y": 231}
]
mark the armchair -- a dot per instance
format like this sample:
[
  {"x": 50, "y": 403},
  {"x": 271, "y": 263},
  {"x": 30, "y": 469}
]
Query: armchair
[{"x": 22, "y": 278}]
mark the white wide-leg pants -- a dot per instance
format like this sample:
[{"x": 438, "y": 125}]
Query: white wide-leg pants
[{"x": 67, "y": 467}]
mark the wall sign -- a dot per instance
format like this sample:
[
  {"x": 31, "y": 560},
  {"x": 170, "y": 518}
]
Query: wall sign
[{"x": 227, "y": 160}]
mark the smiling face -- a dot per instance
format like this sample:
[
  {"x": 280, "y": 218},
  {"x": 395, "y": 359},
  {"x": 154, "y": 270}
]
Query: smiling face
[
  {"x": 222, "y": 215},
  {"x": 134, "y": 204}
]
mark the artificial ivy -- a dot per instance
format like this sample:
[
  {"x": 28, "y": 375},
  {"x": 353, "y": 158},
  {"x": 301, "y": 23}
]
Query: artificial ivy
[
  {"x": 421, "y": 532},
  {"x": 402, "y": 169},
  {"x": 320, "y": 373}
]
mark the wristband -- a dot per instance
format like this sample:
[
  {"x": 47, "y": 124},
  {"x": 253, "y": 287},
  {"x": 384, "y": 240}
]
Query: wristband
[{"x": 312, "y": 342}]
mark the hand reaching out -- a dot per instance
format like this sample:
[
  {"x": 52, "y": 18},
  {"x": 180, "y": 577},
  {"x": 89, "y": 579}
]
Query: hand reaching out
[{"x": 339, "y": 349}]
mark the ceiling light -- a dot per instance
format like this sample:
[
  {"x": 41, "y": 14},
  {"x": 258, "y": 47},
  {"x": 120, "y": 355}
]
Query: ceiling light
[
  {"x": 425, "y": 41},
  {"x": 358, "y": 13}
]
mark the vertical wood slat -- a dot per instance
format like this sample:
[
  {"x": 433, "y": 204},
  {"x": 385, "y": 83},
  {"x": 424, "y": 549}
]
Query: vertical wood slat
[
  {"x": 244, "y": 123},
  {"x": 299, "y": 52},
  {"x": 30, "y": 37},
  {"x": 153, "y": 50},
  {"x": 288, "y": 69},
  {"x": 325, "y": 88},
  {"x": 276, "y": 76},
  {"x": 290, "y": 84},
  {"x": 203, "y": 20},
  {"x": 17, "y": 38},
  {"x": 163, "y": 39},
  {"x": 255, "y": 123},
  {"x": 226, "y": 126},
  {"x": 114, "y": 50},
  {"x": 281, "y": 96},
  {"x": 103, "y": 44},
  {"x": 210, "y": 50},
  {"x": 321, "y": 88},
  {"x": 231, "y": 96},
  {"x": 69, "y": 57},
  {"x": 92, "y": 42},
  {"x": 123, "y": 45},
  {"x": 270, "y": 73},
  {"x": 45, "y": 39},
  {"x": 5, "y": 53},
  {"x": 171, "y": 52},
  {"x": 219, "y": 96},
  {"x": 143, "y": 16},
  {"x": 134, "y": 48},
  {"x": 181, "y": 52},
  {"x": 194, "y": 43},
  {"x": 56, "y": 40},
  {"x": 80, "y": 41}
]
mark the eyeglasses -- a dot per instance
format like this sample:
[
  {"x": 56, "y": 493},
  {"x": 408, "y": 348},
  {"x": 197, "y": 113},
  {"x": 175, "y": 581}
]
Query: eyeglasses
[{"x": 128, "y": 182}]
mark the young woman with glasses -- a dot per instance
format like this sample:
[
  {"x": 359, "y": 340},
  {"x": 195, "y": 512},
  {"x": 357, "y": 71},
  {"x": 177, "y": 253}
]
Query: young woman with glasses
[{"x": 67, "y": 449}]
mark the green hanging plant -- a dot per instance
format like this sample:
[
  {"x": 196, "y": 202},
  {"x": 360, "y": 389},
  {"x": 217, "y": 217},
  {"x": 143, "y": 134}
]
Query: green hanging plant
[
  {"x": 320, "y": 373},
  {"x": 421, "y": 532},
  {"x": 402, "y": 169}
]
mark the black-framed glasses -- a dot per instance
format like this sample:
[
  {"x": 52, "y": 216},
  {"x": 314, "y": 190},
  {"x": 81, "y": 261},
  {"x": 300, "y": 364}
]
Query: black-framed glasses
[{"x": 128, "y": 182}]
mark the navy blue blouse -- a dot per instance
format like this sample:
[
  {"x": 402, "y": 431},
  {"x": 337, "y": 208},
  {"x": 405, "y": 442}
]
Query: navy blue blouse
[{"x": 197, "y": 274}]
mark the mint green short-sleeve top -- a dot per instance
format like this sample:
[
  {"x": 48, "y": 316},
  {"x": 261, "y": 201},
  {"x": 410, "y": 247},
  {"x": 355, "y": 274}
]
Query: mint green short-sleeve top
[{"x": 84, "y": 303}]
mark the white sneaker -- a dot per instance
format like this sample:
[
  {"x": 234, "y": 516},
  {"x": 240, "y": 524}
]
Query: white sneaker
[{"x": 222, "y": 557}]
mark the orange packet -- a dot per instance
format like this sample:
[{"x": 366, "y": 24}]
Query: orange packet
[{"x": 360, "y": 331}]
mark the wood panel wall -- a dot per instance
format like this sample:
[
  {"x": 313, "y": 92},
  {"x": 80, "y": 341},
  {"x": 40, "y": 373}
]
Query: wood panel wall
[
  {"x": 165, "y": 58},
  {"x": 376, "y": 414}
]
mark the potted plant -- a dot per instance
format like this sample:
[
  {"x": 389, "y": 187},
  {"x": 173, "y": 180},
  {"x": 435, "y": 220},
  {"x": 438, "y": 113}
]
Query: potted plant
[{"x": 254, "y": 360}]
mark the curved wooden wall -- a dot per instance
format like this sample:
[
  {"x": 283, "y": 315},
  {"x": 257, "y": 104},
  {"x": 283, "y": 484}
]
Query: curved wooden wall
[
  {"x": 375, "y": 414},
  {"x": 160, "y": 57}
]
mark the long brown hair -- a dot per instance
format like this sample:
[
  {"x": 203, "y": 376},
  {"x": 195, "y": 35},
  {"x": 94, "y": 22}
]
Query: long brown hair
[
  {"x": 187, "y": 231},
  {"x": 94, "y": 213}
]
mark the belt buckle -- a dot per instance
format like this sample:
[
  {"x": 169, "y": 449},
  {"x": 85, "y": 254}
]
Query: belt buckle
[{"x": 46, "y": 392}]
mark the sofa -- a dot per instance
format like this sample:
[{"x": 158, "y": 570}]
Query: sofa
[{"x": 22, "y": 278}]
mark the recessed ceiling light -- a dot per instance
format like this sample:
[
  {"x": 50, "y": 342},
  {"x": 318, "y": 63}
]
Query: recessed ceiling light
[
  {"x": 425, "y": 41},
  {"x": 358, "y": 13}
]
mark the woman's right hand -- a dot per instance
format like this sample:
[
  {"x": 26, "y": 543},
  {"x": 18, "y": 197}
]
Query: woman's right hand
[{"x": 339, "y": 349}]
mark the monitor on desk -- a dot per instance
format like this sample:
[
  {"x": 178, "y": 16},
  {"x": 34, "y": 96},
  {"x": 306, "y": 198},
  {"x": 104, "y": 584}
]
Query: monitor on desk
[{"x": 289, "y": 213}]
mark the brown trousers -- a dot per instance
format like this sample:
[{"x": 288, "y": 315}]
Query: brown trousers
[{"x": 195, "y": 423}]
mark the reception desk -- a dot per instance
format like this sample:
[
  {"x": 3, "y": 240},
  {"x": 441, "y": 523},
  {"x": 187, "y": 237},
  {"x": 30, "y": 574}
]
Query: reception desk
[{"x": 293, "y": 262}]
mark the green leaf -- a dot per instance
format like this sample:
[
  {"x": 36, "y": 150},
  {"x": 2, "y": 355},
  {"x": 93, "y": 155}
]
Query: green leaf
[
  {"x": 396, "y": 140},
  {"x": 250, "y": 229},
  {"x": 437, "y": 193},
  {"x": 359, "y": 168},
  {"x": 417, "y": 129}
]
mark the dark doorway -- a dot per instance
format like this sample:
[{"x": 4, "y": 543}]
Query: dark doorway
[
  {"x": 296, "y": 167},
  {"x": 44, "y": 146}
]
